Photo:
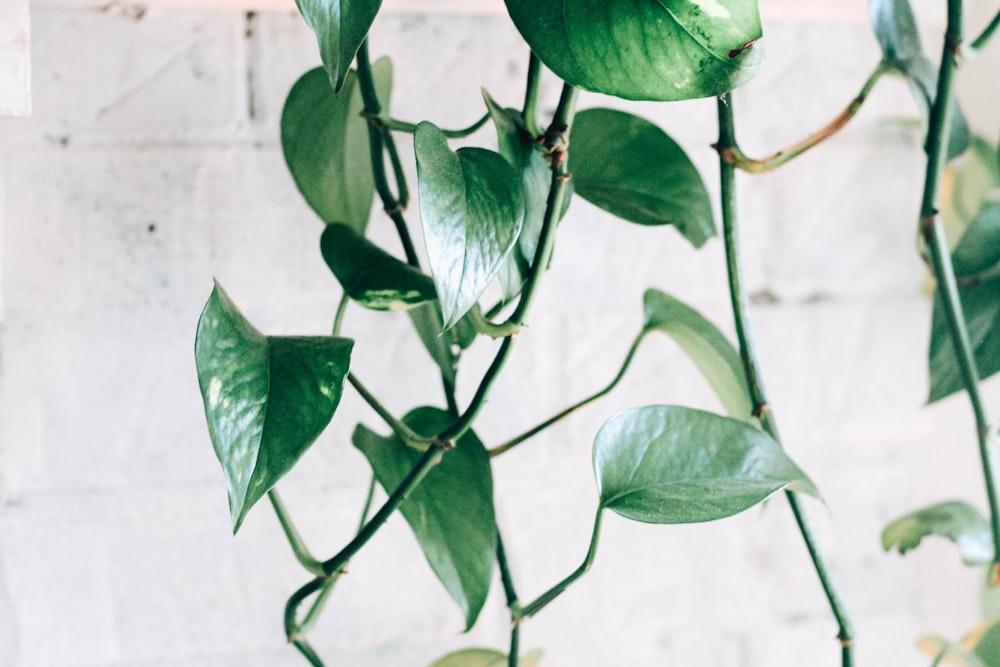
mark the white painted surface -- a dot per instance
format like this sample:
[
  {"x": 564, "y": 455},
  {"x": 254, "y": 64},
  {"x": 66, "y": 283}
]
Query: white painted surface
[
  {"x": 15, "y": 58},
  {"x": 152, "y": 164}
]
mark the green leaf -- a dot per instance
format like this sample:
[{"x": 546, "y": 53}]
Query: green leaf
[
  {"x": 981, "y": 307},
  {"x": 450, "y": 512},
  {"x": 371, "y": 276},
  {"x": 947, "y": 653},
  {"x": 896, "y": 30},
  {"x": 484, "y": 657},
  {"x": 632, "y": 169},
  {"x": 645, "y": 49},
  {"x": 472, "y": 205},
  {"x": 325, "y": 143},
  {"x": 267, "y": 398},
  {"x": 670, "y": 464},
  {"x": 922, "y": 77},
  {"x": 954, "y": 520},
  {"x": 711, "y": 351},
  {"x": 340, "y": 26},
  {"x": 979, "y": 248},
  {"x": 985, "y": 643}
]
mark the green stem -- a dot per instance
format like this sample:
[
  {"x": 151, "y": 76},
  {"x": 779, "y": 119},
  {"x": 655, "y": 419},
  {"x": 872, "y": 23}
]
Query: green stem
[
  {"x": 397, "y": 125},
  {"x": 740, "y": 305},
  {"x": 514, "y": 654},
  {"x": 338, "y": 318},
  {"x": 302, "y": 553},
  {"x": 513, "y": 442},
  {"x": 403, "y": 196},
  {"x": 306, "y": 650},
  {"x": 554, "y": 592},
  {"x": 429, "y": 459},
  {"x": 485, "y": 326},
  {"x": 531, "y": 90},
  {"x": 464, "y": 422},
  {"x": 377, "y": 144},
  {"x": 980, "y": 42},
  {"x": 735, "y": 156},
  {"x": 295, "y": 601},
  {"x": 932, "y": 230},
  {"x": 402, "y": 431}
]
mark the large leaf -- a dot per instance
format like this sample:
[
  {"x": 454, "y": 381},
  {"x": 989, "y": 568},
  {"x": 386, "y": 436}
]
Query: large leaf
[
  {"x": 981, "y": 306},
  {"x": 711, "y": 351},
  {"x": 370, "y": 275},
  {"x": 957, "y": 521},
  {"x": 472, "y": 205},
  {"x": 670, "y": 464},
  {"x": 267, "y": 398},
  {"x": 325, "y": 143},
  {"x": 632, "y": 169},
  {"x": 484, "y": 657},
  {"x": 450, "y": 512},
  {"x": 340, "y": 26},
  {"x": 896, "y": 31},
  {"x": 645, "y": 49}
]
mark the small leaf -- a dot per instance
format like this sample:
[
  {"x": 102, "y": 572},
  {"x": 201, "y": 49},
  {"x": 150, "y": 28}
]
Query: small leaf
[
  {"x": 472, "y": 205},
  {"x": 632, "y": 169},
  {"x": 650, "y": 50},
  {"x": 371, "y": 276},
  {"x": 954, "y": 520},
  {"x": 473, "y": 657},
  {"x": 670, "y": 464},
  {"x": 325, "y": 143},
  {"x": 981, "y": 307},
  {"x": 450, "y": 512},
  {"x": 979, "y": 248},
  {"x": 896, "y": 30},
  {"x": 340, "y": 26},
  {"x": 267, "y": 399},
  {"x": 711, "y": 351}
]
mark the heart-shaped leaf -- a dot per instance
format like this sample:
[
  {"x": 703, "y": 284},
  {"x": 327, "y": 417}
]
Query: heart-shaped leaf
[
  {"x": 981, "y": 307},
  {"x": 472, "y": 205},
  {"x": 646, "y": 49},
  {"x": 670, "y": 464},
  {"x": 957, "y": 521},
  {"x": 632, "y": 169},
  {"x": 267, "y": 398},
  {"x": 450, "y": 512},
  {"x": 370, "y": 275},
  {"x": 325, "y": 143},
  {"x": 712, "y": 352},
  {"x": 340, "y": 26}
]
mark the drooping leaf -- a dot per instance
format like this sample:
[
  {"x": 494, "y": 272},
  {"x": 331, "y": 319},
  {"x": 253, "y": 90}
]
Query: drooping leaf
[
  {"x": 340, "y": 26},
  {"x": 450, "y": 512},
  {"x": 896, "y": 30},
  {"x": 632, "y": 169},
  {"x": 711, "y": 351},
  {"x": 670, "y": 464},
  {"x": 370, "y": 275},
  {"x": 947, "y": 653},
  {"x": 267, "y": 398},
  {"x": 957, "y": 521},
  {"x": 472, "y": 205},
  {"x": 648, "y": 50},
  {"x": 325, "y": 143},
  {"x": 981, "y": 307},
  {"x": 979, "y": 248}
]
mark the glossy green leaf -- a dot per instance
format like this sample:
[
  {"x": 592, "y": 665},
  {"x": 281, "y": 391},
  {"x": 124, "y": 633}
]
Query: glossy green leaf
[
  {"x": 340, "y": 26},
  {"x": 267, "y": 398},
  {"x": 979, "y": 248},
  {"x": 370, "y": 275},
  {"x": 645, "y": 49},
  {"x": 472, "y": 205},
  {"x": 632, "y": 169},
  {"x": 670, "y": 464},
  {"x": 325, "y": 143},
  {"x": 711, "y": 351},
  {"x": 957, "y": 521},
  {"x": 896, "y": 30},
  {"x": 981, "y": 306},
  {"x": 484, "y": 657},
  {"x": 450, "y": 512}
]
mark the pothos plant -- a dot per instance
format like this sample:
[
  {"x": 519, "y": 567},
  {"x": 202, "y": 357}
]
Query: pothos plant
[{"x": 489, "y": 222}]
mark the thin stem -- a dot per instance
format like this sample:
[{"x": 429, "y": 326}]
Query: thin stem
[
  {"x": 554, "y": 592},
  {"x": 932, "y": 230},
  {"x": 295, "y": 601},
  {"x": 403, "y": 196},
  {"x": 402, "y": 431},
  {"x": 735, "y": 156},
  {"x": 514, "y": 442},
  {"x": 306, "y": 650},
  {"x": 761, "y": 410},
  {"x": 302, "y": 553},
  {"x": 429, "y": 459},
  {"x": 317, "y": 606},
  {"x": 513, "y": 655},
  {"x": 464, "y": 422},
  {"x": 397, "y": 125},
  {"x": 980, "y": 42},
  {"x": 338, "y": 318},
  {"x": 531, "y": 90}
]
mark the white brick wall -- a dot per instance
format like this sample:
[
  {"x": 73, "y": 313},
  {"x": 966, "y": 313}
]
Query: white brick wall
[{"x": 151, "y": 164}]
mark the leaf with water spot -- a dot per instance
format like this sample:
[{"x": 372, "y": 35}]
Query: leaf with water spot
[{"x": 267, "y": 398}]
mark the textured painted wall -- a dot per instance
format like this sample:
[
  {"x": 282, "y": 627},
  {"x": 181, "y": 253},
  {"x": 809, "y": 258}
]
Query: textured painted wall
[{"x": 151, "y": 164}]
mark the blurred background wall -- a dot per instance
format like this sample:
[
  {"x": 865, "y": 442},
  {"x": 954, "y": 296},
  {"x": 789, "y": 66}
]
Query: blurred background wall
[{"x": 151, "y": 164}]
